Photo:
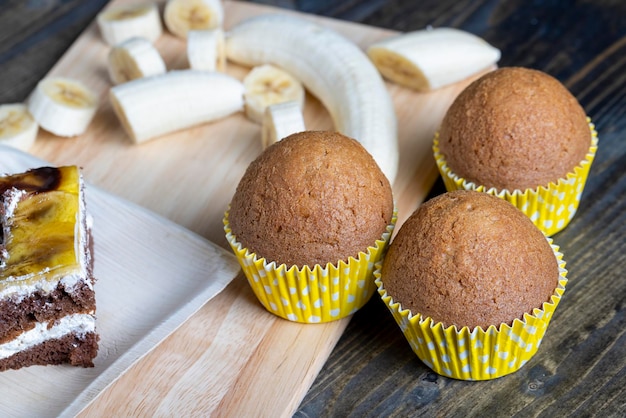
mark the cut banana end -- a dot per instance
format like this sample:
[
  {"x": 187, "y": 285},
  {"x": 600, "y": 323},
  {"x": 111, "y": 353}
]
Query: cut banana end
[
  {"x": 281, "y": 120},
  {"x": 154, "y": 106},
  {"x": 205, "y": 50},
  {"x": 181, "y": 16},
  {"x": 18, "y": 128},
  {"x": 134, "y": 58},
  {"x": 63, "y": 106},
  {"x": 432, "y": 58},
  {"x": 266, "y": 85},
  {"x": 120, "y": 23}
]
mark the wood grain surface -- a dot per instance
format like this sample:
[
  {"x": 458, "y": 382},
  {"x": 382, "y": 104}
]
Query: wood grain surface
[{"x": 580, "y": 369}]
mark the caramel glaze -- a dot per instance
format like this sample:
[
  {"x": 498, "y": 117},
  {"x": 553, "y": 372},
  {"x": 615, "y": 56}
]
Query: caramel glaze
[{"x": 37, "y": 180}]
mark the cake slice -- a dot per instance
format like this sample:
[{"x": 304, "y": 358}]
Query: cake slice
[{"x": 47, "y": 299}]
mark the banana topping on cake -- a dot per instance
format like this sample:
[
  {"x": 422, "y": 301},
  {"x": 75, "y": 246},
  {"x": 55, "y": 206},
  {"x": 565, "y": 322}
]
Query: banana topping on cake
[{"x": 40, "y": 225}]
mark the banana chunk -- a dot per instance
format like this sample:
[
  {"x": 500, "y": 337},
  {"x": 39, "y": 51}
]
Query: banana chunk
[
  {"x": 281, "y": 120},
  {"x": 205, "y": 50},
  {"x": 134, "y": 58},
  {"x": 332, "y": 68},
  {"x": 63, "y": 106},
  {"x": 18, "y": 128},
  {"x": 432, "y": 58},
  {"x": 265, "y": 85},
  {"x": 120, "y": 23},
  {"x": 153, "y": 106},
  {"x": 181, "y": 16}
]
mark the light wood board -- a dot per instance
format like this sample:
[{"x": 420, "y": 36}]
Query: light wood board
[{"x": 231, "y": 358}]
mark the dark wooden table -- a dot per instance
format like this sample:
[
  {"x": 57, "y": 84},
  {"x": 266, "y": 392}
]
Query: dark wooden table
[{"x": 580, "y": 368}]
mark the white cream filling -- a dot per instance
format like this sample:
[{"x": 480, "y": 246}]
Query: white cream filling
[
  {"x": 10, "y": 200},
  {"x": 82, "y": 226},
  {"x": 80, "y": 324},
  {"x": 20, "y": 291}
]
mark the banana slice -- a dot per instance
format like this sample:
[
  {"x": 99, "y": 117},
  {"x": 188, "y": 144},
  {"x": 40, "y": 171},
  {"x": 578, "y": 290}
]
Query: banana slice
[
  {"x": 205, "y": 50},
  {"x": 181, "y": 16},
  {"x": 134, "y": 58},
  {"x": 432, "y": 58},
  {"x": 18, "y": 128},
  {"x": 281, "y": 120},
  {"x": 120, "y": 23},
  {"x": 332, "y": 68},
  {"x": 63, "y": 106},
  {"x": 266, "y": 85},
  {"x": 154, "y": 106}
]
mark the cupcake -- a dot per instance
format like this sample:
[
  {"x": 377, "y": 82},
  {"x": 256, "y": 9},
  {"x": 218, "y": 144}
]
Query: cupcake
[
  {"x": 308, "y": 220},
  {"x": 519, "y": 134},
  {"x": 472, "y": 283}
]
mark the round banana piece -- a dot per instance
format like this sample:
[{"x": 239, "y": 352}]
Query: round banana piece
[
  {"x": 181, "y": 16},
  {"x": 120, "y": 23},
  {"x": 432, "y": 58},
  {"x": 134, "y": 58},
  {"x": 265, "y": 85},
  {"x": 154, "y": 106},
  {"x": 281, "y": 120},
  {"x": 63, "y": 106},
  {"x": 205, "y": 50},
  {"x": 18, "y": 128},
  {"x": 332, "y": 68}
]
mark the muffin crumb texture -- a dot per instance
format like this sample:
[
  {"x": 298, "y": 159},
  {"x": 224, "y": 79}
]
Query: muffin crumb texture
[
  {"x": 514, "y": 128},
  {"x": 470, "y": 259},
  {"x": 312, "y": 198}
]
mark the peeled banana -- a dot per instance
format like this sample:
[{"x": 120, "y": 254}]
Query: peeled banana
[
  {"x": 205, "y": 49},
  {"x": 332, "y": 68},
  {"x": 181, "y": 16},
  {"x": 18, "y": 128},
  {"x": 432, "y": 58},
  {"x": 120, "y": 23},
  {"x": 265, "y": 85},
  {"x": 134, "y": 58},
  {"x": 153, "y": 106},
  {"x": 63, "y": 106},
  {"x": 281, "y": 120}
]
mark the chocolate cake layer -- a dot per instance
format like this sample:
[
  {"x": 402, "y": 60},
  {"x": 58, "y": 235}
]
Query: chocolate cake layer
[
  {"x": 19, "y": 314},
  {"x": 76, "y": 350}
]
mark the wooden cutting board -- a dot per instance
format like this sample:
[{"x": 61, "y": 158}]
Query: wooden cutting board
[{"x": 231, "y": 358}]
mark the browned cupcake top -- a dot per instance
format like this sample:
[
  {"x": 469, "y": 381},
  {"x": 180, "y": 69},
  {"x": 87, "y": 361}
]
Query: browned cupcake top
[
  {"x": 470, "y": 259},
  {"x": 514, "y": 128},
  {"x": 313, "y": 198}
]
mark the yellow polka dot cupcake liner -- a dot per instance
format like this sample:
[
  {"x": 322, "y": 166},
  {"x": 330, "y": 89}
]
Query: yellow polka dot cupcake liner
[
  {"x": 312, "y": 294},
  {"x": 551, "y": 208},
  {"x": 475, "y": 354}
]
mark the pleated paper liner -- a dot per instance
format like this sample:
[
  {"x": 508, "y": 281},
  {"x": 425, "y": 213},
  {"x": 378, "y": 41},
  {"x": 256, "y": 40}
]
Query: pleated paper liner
[
  {"x": 551, "y": 208},
  {"x": 312, "y": 294},
  {"x": 475, "y": 354}
]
